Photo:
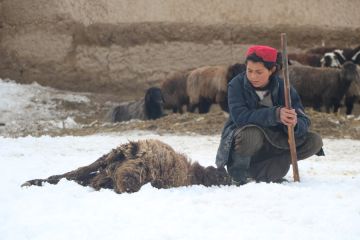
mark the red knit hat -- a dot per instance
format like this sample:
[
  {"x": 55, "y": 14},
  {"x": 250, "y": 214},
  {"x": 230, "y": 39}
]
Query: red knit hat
[{"x": 268, "y": 54}]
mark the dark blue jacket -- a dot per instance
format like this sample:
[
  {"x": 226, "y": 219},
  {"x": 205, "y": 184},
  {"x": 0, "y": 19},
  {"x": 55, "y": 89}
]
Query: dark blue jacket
[{"x": 244, "y": 110}]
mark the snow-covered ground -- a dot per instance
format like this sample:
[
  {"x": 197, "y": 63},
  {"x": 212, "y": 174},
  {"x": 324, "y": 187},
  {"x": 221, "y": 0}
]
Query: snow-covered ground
[
  {"x": 23, "y": 106},
  {"x": 32, "y": 108},
  {"x": 324, "y": 205}
]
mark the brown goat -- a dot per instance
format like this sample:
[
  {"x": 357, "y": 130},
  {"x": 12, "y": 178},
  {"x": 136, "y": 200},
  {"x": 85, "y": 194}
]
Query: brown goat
[
  {"x": 131, "y": 165},
  {"x": 207, "y": 85},
  {"x": 174, "y": 92}
]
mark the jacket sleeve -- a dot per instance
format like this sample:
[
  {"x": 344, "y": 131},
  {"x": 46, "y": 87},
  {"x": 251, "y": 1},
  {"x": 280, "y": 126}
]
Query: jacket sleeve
[
  {"x": 242, "y": 115},
  {"x": 303, "y": 121}
]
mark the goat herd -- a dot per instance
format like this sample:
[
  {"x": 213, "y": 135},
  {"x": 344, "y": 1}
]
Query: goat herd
[{"x": 322, "y": 77}]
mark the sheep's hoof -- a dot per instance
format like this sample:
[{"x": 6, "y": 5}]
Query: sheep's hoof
[{"x": 36, "y": 182}]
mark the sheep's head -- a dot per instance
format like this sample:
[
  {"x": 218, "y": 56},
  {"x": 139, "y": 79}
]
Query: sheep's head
[
  {"x": 349, "y": 72},
  {"x": 154, "y": 103},
  {"x": 330, "y": 59},
  {"x": 234, "y": 70}
]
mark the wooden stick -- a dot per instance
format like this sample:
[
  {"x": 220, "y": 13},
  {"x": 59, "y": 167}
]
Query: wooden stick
[{"x": 291, "y": 139}]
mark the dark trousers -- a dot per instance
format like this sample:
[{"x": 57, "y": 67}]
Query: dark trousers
[{"x": 254, "y": 156}]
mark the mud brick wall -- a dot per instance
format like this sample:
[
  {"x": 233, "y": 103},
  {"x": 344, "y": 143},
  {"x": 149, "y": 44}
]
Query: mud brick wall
[{"x": 125, "y": 46}]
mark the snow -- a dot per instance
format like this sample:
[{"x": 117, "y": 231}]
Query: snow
[
  {"x": 324, "y": 205},
  {"x": 32, "y": 106}
]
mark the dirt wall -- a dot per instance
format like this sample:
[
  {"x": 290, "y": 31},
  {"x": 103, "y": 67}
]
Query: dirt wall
[{"x": 124, "y": 46}]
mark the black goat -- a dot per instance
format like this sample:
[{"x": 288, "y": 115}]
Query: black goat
[{"x": 150, "y": 107}]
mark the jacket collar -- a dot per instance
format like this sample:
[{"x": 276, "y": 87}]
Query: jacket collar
[{"x": 274, "y": 86}]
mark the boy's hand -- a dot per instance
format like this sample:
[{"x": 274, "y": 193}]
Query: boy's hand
[{"x": 288, "y": 117}]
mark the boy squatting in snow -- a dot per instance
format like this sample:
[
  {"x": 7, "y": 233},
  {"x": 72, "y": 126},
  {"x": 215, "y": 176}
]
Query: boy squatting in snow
[{"x": 254, "y": 140}]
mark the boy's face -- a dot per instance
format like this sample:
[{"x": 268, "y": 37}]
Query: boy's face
[{"x": 258, "y": 74}]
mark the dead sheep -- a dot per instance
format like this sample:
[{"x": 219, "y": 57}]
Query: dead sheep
[
  {"x": 173, "y": 89},
  {"x": 319, "y": 87},
  {"x": 128, "y": 167},
  {"x": 149, "y": 107},
  {"x": 207, "y": 85}
]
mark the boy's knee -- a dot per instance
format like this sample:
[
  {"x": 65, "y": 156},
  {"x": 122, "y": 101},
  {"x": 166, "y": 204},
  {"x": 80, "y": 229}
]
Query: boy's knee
[
  {"x": 312, "y": 145},
  {"x": 316, "y": 141},
  {"x": 248, "y": 140}
]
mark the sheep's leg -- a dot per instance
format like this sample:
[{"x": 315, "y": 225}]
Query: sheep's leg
[
  {"x": 349, "y": 103},
  {"x": 336, "y": 107},
  {"x": 187, "y": 106},
  {"x": 192, "y": 107},
  {"x": 327, "y": 109},
  {"x": 224, "y": 105},
  {"x": 175, "y": 109},
  {"x": 204, "y": 105},
  {"x": 180, "y": 108},
  {"x": 102, "y": 180},
  {"x": 208, "y": 176},
  {"x": 317, "y": 106},
  {"x": 83, "y": 180},
  {"x": 82, "y": 175},
  {"x": 221, "y": 99}
]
